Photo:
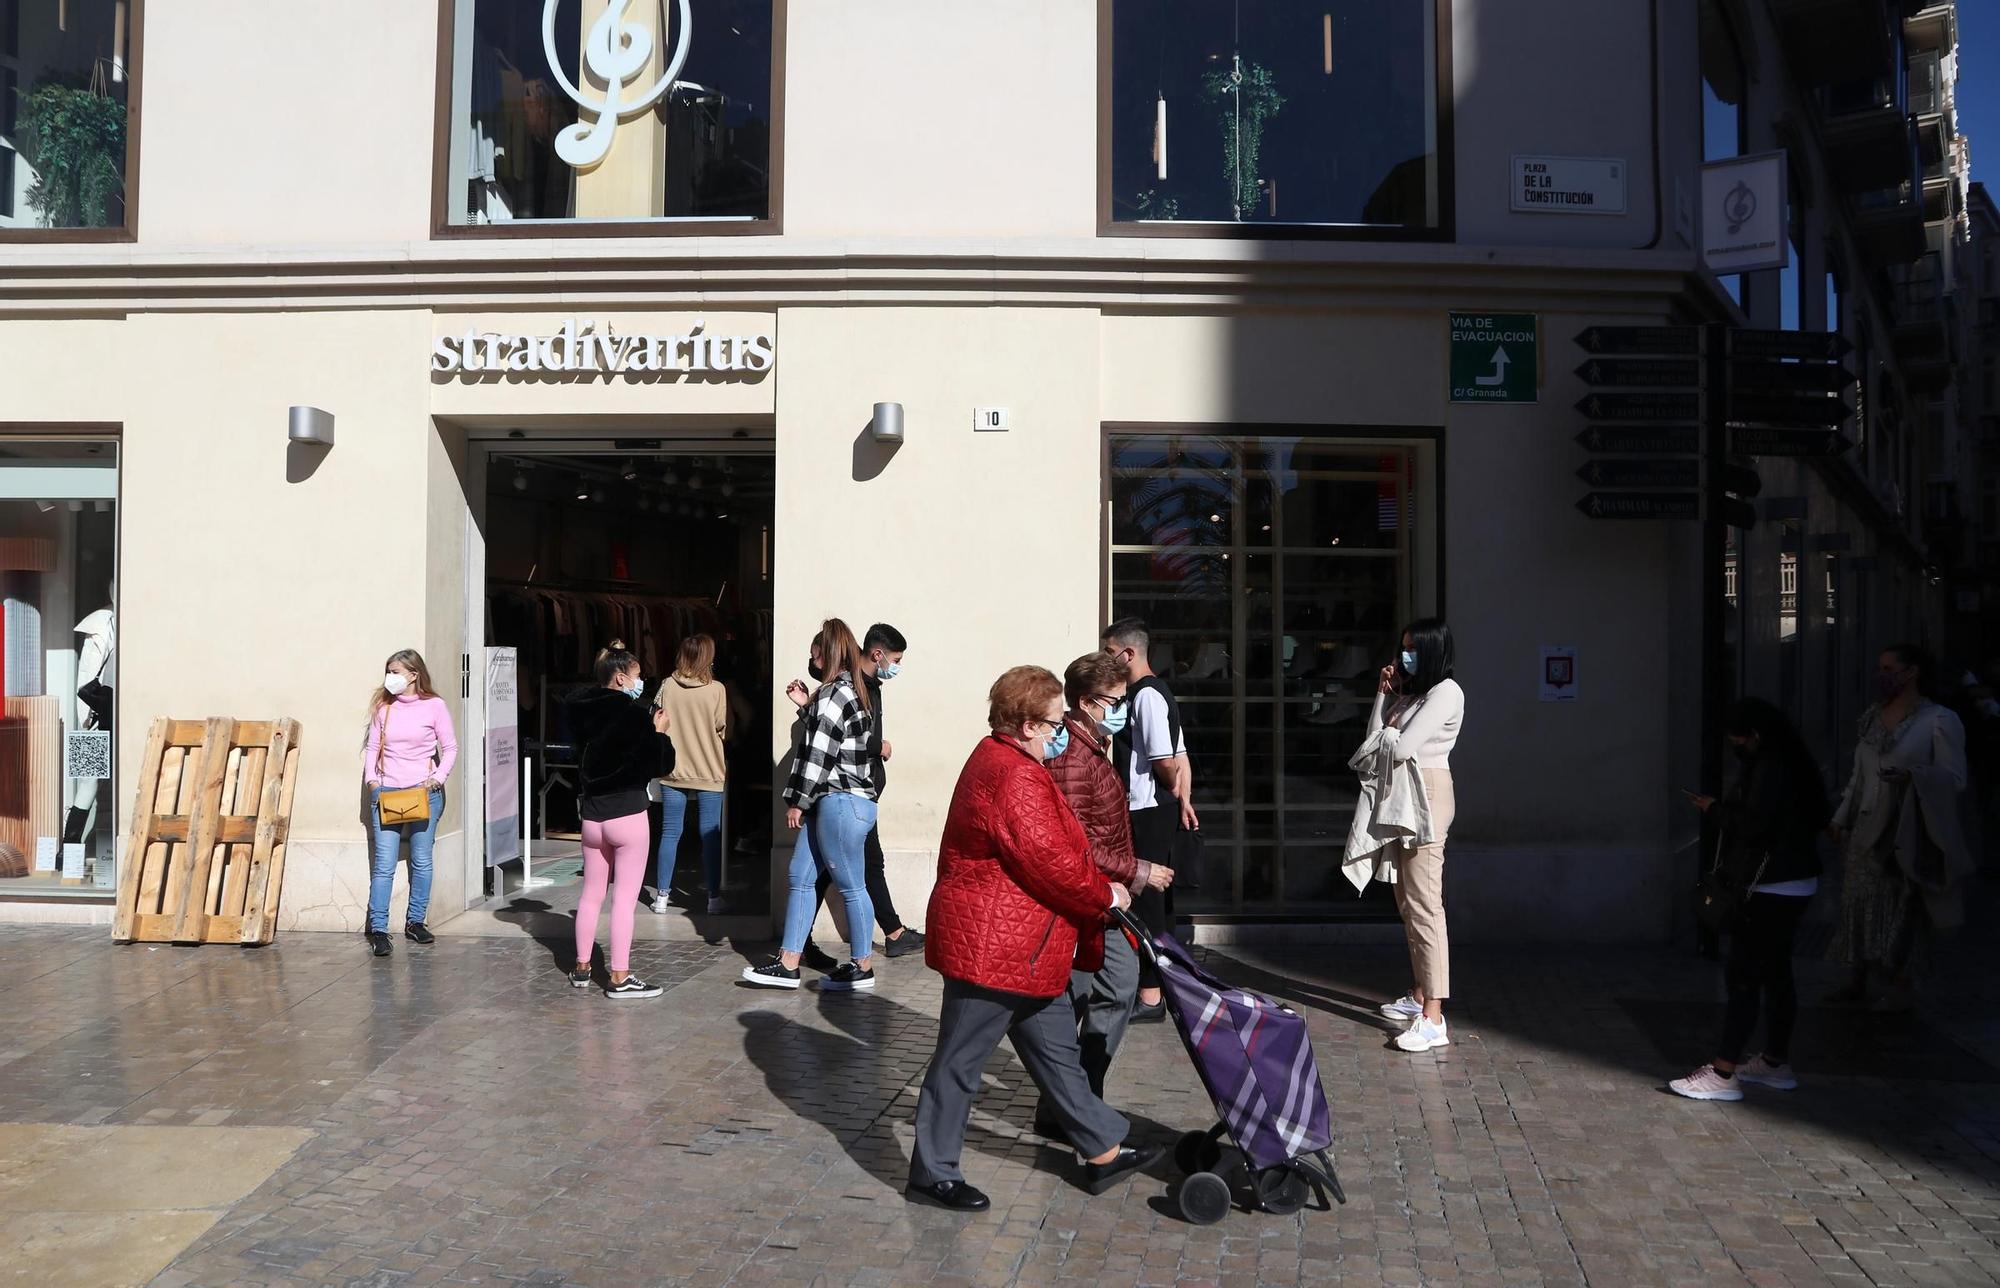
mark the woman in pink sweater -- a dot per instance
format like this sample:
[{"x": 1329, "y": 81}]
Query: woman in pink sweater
[{"x": 410, "y": 744}]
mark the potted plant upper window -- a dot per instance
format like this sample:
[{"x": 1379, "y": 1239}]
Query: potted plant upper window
[{"x": 73, "y": 138}]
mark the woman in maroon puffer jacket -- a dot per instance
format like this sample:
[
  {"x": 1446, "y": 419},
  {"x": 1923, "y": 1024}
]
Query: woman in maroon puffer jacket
[
  {"x": 1094, "y": 685},
  {"x": 1016, "y": 892}
]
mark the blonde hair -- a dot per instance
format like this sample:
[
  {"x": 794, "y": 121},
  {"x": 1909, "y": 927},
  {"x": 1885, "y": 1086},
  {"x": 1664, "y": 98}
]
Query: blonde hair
[
  {"x": 697, "y": 659},
  {"x": 840, "y": 653},
  {"x": 420, "y": 685}
]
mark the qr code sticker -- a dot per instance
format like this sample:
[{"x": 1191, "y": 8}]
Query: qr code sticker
[{"x": 87, "y": 754}]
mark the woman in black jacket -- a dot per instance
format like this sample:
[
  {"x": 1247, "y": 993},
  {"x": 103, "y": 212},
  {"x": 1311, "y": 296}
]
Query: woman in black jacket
[
  {"x": 621, "y": 748},
  {"x": 1769, "y": 825}
]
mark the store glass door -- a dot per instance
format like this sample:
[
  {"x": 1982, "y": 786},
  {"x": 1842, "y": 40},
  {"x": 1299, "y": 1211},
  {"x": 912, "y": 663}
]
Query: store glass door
[{"x": 1274, "y": 573}]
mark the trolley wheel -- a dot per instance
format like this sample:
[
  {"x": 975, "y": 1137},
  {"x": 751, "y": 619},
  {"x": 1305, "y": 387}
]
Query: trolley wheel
[
  {"x": 1197, "y": 1151},
  {"x": 1205, "y": 1198},
  {"x": 1281, "y": 1191}
]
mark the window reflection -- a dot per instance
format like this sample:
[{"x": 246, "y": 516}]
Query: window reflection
[
  {"x": 1275, "y": 112},
  {"x": 64, "y": 97},
  {"x": 1274, "y": 573},
  {"x": 524, "y": 149}
]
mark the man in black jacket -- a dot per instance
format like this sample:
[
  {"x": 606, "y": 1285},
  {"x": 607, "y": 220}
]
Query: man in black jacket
[{"x": 881, "y": 658}]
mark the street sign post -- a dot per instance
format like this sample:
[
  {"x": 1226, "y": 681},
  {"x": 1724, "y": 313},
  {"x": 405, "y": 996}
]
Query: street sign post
[
  {"x": 1789, "y": 377},
  {"x": 1667, "y": 472},
  {"x": 1647, "y": 406},
  {"x": 1805, "y": 411},
  {"x": 1763, "y": 440},
  {"x": 1667, "y": 341},
  {"x": 1649, "y": 373},
  {"x": 1494, "y": 357},
  {"x": 1792, "y": 346},
  {"x": 1641, "y": 505},
  {"x": 1641, "y": 440}
]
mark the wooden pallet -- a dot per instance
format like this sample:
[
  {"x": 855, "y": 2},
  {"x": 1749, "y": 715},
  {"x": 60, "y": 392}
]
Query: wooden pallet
[{"x": 205, "y": 857}]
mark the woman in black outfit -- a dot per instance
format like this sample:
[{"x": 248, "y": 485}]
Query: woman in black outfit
[{"x": 1769, "y": 824}]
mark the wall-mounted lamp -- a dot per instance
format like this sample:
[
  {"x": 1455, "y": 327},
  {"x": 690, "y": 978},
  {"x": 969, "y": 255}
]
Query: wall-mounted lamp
[
  {"x": 313, "y": 426},
  {"x": 887, "y": 427}
]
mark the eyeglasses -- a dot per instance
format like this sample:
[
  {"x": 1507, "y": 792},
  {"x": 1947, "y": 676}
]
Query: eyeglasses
[
  {"x": 1106, "y": 701},
  {"x": 1052, "y": 724}
]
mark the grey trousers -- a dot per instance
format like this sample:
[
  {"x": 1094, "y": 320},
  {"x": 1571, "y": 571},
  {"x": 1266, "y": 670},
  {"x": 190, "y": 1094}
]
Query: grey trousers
[
  {"x": 970, "y": 1026},
  {"x": 1103, "y": 1003}
]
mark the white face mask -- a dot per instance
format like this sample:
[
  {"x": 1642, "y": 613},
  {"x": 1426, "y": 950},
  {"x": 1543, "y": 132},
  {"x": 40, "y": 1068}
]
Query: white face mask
[{"x": 395, "y": 684}]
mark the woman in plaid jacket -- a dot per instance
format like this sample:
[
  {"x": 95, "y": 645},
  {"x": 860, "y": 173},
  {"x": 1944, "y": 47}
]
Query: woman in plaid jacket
[{"x": 831, "y": 804}]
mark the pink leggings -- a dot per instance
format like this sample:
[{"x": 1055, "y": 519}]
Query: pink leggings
[{"x": 614, "y": 853}]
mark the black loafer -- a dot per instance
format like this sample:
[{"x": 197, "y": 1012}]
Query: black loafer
[
  {"x": 418, "y": 932},
  {"x": 956, "y": 1195},
  {"x": 1154, "y": 1014},
  {"x": 1050, "y": 1129},
  {"x": 1099, "y": 1177},
  {"x": 379, "y": 941}
]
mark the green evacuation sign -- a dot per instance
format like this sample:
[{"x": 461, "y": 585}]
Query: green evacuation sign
[{"x": 1495, "y": 357}]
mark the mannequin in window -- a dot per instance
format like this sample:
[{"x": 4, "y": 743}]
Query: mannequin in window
[{"x": 95, "y": 675}]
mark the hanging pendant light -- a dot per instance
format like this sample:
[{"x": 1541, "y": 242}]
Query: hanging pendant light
[
  {"x": 1160, "y": 137},
  {"x": 1326, "y": 34}
]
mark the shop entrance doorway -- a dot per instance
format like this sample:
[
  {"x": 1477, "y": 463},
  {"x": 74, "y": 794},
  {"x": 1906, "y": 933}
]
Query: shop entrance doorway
[{"x": 641, "y": 545}]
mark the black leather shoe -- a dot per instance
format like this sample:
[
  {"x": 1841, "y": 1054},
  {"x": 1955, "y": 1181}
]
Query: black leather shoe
[
  {"x": 1050, "y": 1129},
  {"x": 1099, "y": 1177},
  {"x": 956, "y": 1195},
  {"x": 1154, "y": 1014},
  {"x": 910, "y": 941},
  {"x": 418, "y": 932},
  {"x": 379, "y": 941},
  {"x": 816, "y": 958}
]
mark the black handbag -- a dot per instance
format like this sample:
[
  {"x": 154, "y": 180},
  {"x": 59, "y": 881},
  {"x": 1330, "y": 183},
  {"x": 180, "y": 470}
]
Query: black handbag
[{"x": 1720, "y": 895}]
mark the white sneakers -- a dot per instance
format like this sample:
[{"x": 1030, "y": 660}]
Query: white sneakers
[
  {"x": 1706, "y": 1084},
  {"x": 1761, "y": 1072},
  {"x": 1423, "y": 1035},
  {"x": 1404, "y": 1008}
]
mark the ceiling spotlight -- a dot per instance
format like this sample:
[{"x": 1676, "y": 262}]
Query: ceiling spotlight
[
  {"x": 76, "y": 507},
  {"x": 583, "y": 494},
  {"x": 670, "y": 478},
  {"x": 721, "y": 516},
  {"x": 630, "y": 472},
  {"x": 102, "y": 507},
  {"x": 520, "y": 481},
  {"x": 45, "y": 506}
]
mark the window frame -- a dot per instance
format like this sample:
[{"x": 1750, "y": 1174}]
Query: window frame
[
  {"x": 1447, "y": 225},
  {"x": 135, "y": 79},
  {"x": 442, "y": 229}
]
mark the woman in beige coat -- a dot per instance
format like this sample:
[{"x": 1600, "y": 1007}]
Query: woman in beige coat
[{"x": 699, "y": 706}]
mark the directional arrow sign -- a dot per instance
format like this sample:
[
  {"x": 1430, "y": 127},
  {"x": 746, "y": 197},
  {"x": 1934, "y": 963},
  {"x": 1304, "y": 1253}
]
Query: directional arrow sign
[
  {"x": 1640, "y": 406},
  {"x": 1662, "y": 473},
  {"x": 1660, "y": 440},
  {"x": 1680, "y": 340},
  {"x": 1824, "y": 346},
  {"x": 1672, "y": 373},
  {"x": 1763, "y": 441},
  {"x": 1641, "y": 505},
  {"x": 1789, "y": 377},
  {"x": 1807, "y": 411}
]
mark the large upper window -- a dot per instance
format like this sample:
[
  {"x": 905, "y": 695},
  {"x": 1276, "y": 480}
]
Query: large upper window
[
  {"x": 66, "y": 95},
  {"x": 1274, "y": 112},
  {"x": 588, "y": 112}
]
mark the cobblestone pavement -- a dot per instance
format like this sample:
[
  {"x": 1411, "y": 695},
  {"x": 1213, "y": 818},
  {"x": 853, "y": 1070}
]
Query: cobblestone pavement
[{"x": 477, "y": 1121}]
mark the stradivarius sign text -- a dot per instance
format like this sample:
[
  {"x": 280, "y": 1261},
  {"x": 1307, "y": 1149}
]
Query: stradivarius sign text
[{"x": 584, "y": 347}]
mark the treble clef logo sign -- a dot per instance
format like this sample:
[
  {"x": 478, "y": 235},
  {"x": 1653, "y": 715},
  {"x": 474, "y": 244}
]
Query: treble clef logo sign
[{"x": 615, "y": 51}]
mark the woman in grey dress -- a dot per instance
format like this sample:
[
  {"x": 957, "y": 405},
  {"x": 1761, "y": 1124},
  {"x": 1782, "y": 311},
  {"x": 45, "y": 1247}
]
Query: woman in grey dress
[{"x": 1903, "y": 854}]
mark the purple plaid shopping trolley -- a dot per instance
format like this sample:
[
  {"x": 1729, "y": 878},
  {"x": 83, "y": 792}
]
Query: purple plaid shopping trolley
[{"x": 1256, "y": 1060}]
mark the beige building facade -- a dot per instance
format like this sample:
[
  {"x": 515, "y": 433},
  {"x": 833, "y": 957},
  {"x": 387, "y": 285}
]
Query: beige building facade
[{"x": 936, "y": 218}]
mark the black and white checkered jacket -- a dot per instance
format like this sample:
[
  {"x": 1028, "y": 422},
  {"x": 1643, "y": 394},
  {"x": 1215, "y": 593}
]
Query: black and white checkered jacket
[{"x": 833, "y": 753}]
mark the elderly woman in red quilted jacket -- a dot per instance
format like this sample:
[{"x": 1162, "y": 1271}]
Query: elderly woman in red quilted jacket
[
  {"x": 1094, "y": 686},
  {"x": 1017, "y": 899}
]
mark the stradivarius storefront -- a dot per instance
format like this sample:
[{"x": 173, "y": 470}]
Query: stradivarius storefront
[{"x": 1275, "y": 492}]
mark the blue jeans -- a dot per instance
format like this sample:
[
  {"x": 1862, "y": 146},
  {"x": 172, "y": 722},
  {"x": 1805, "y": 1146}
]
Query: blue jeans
[
  {"x": 388, "y": 846},
  {"x": 707, "y": 821},
  {"x": 836, "y": 835}
]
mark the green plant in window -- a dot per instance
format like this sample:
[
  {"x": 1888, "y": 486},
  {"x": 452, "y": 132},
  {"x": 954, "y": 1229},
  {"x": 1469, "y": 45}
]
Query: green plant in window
[
  {"x": 1245, "y": 97},
  {"x": 74, "y": 139},
  {"x": 1152, "y": 204}
]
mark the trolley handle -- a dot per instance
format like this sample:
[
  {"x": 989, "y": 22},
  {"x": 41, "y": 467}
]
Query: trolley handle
[{"x": 1124, "y": 917}]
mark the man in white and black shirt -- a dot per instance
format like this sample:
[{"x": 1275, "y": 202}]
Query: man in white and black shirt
[{"x": 1151, "y": 754}]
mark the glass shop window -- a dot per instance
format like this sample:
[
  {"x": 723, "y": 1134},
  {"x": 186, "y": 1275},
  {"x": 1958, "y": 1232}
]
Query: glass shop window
[{"x": 65, "y": 101}]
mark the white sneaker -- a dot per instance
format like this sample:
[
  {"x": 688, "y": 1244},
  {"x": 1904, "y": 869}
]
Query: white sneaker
[
  {"x": 1761, "y": 1072},
  {"x": 1706, "y": 1084},
  {"x": 1423, "y": 1035},
  {"x": 1404, "y": 1008}
]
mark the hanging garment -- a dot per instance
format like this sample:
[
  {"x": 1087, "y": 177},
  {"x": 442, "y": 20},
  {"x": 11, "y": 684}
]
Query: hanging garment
[{"x": 1391, "y": 815}]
